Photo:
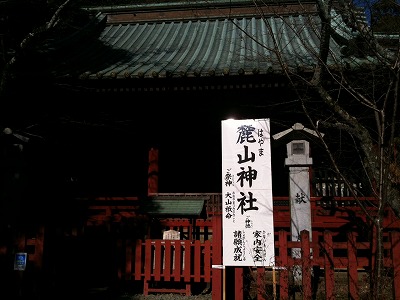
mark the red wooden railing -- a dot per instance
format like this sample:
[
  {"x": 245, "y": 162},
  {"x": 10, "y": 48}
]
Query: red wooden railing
[
  {"x": 322, "y": 252},
  {"x": 184, "y": 262},
  {"x": 167, "y": 261},
  {"x": 150, "y": 261}
]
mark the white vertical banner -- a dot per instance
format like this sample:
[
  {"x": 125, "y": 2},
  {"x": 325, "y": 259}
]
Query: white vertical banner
[{"x": 247, "y": 206}]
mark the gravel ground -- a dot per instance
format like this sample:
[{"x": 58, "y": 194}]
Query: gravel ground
[
  {"x": 165, "y": 296},
  {"x": 106, "y": 294}
]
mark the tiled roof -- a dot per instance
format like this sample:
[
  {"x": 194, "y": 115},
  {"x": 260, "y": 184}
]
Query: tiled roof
[
  {"x": 174, "y": 206},
  {"x": 247, "y": 42}
]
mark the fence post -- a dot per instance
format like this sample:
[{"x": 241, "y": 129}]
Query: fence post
[
  {"x": 39, "y": 242},
  {"x": 187, "y": 258},
  {"x": 120, "y": 262},
  {"x": 329, "y": 266},
  {"x": 168, "y": 261},
  {"x": 157, "y": 260},
  {"x": 352, "y": 266},
  {"x": 207, "y": 261},
  {"x": 239, "y": 278},
  {"x": 128, "y": 260},
  {"x": 148, "y": 267},
  {"x": 395, "y": 250},
  {"x": 283, "y": 266},
  {"x": 261, "y": 283},
  {"x": 306, "y": 264},
  {"x": 178, "y": 260},
  {"x": 217, "y": 257},
  {"x": 138, "y": 259},
  {"x": 197, "y": 260}
]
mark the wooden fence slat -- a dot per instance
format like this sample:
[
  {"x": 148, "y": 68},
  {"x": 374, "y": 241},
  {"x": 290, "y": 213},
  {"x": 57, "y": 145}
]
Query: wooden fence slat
[
  {"x": 128, "y": 260},
  {"x": 197, "y": 261},
  {"x": 352, "y": 267},
  {"x": 148, "y": 267},
  {"x": 261, "y": 284},
  {"x": 207, "y": 261},
  {"x": 283, "y": 266},
  {"x": 239, "y": 290},
  {"x": 178, "y": 260},
  {"x": 217, "y": 257},
  {"x": 147, "y": 263},
  {"x": 329, "y": 268},
  {"x": 39, "y": 241},
  {"x": 306, "y": 264},
  {"x": 167, "y": 260},
  {"x": 120, "y": 249},
  {"x": 188, "y": 262},
  {"x": 157, "y": 260},
  {"x": 138, "y": 260},
  {"x": 193, "y": 261}
]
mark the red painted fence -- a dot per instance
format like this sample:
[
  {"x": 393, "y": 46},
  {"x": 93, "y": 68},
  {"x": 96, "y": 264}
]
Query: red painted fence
[
  {"x": 184, "y": 263},
  {"x": 168, "y": 261}
]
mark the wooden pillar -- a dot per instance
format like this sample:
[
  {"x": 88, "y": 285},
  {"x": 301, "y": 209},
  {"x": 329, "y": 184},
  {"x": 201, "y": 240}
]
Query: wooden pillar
[
  {"x": 217, "y": 257},
  {"x": 152, "y": 177}
]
